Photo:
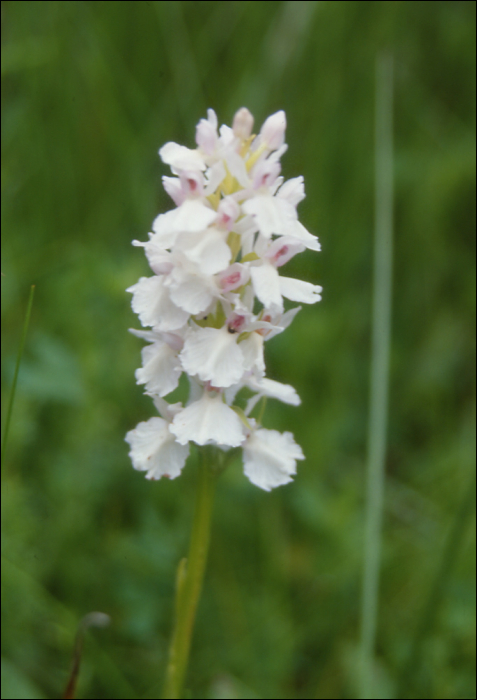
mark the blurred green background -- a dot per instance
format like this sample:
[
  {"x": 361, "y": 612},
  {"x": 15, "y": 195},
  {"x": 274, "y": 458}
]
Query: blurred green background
[{"x": 90, "y": 91}]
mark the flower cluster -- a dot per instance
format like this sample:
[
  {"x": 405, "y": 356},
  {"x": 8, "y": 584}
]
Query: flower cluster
[{"x": 215, "y": 259}]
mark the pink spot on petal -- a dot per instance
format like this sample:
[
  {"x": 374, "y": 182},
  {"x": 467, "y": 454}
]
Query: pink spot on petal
[
  {"x": 232, "y": 279},
  {"x": 225, "y": 220},
  {"x": 236, "y": 324}
]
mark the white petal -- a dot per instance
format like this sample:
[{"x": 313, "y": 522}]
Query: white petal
[
  {"x": 214, "y": 356},
  {"x": 164, "y": 229},
  {"x": 193, "y": 215},
  {"x": 273, "y": 130},
  {"x": 214, "y": 176},
  {"x": 228, "y": 211},
  {"x": 196, "y": 389},
  {"x": 246, "y": 227},
  {"x": 252, "y": 348},
  {"x": 166, "y": 410},
  {"x": 265, "y": 279},
  {"x": 173, "y": 187},
  {"x": 298, "y": 290},
  {"x": 275, "y": 390},
  {"x": 226, "y": 135},
  {"x": 299, "y": 231},
  {"x": 237, "y": 168},
  {"x": 193, "y": 293},
  {"x": 207, "y": 249},
  {"x": 273, "y": 215},
  {"x": 151, "y": 302},
  {"x": 208, "y": 421},
  {"x": 293, "y": 190},
  {"x": 266, "y": 176},
  {"x": 180, "y": 157},
  {"x": 150, "y": 336},
  {"x": 159, "y": 259},
  {"x": 161, "y": 369},
  {"x": 288, "y": 317},
  {"x": 174, "y": 340},
  {"x": 154, "y": 449},
  {"x": 270, "y": 458},
  {"x": 206, "y": 133}
]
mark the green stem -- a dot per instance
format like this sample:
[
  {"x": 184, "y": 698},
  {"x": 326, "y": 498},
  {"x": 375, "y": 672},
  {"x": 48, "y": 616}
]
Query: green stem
[{"x": 190, "y": 576}]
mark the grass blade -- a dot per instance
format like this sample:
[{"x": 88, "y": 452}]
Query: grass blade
[
  {"x": 379, "y": 369},
  {"x": 15, "y": 376}
]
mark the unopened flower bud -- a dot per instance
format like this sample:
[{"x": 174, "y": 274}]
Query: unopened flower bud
[
  {"x": 243, "y": 123},
  {"x": 273, "y": 130},
  {"x": 206, "y": 133}
]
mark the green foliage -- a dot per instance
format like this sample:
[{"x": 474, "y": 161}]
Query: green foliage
[{"x": 90, "y": 91}]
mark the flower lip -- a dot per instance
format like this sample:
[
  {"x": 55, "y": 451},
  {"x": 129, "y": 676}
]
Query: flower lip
[{"x": 208, "y": 421}]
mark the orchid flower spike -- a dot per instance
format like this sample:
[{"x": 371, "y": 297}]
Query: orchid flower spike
[{"x": 216, "y": 295}]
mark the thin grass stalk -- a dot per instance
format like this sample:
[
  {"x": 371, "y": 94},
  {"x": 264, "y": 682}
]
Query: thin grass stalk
[
  {"x": 15, "y": 376},
  {"x": 381, "y": 332}
]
